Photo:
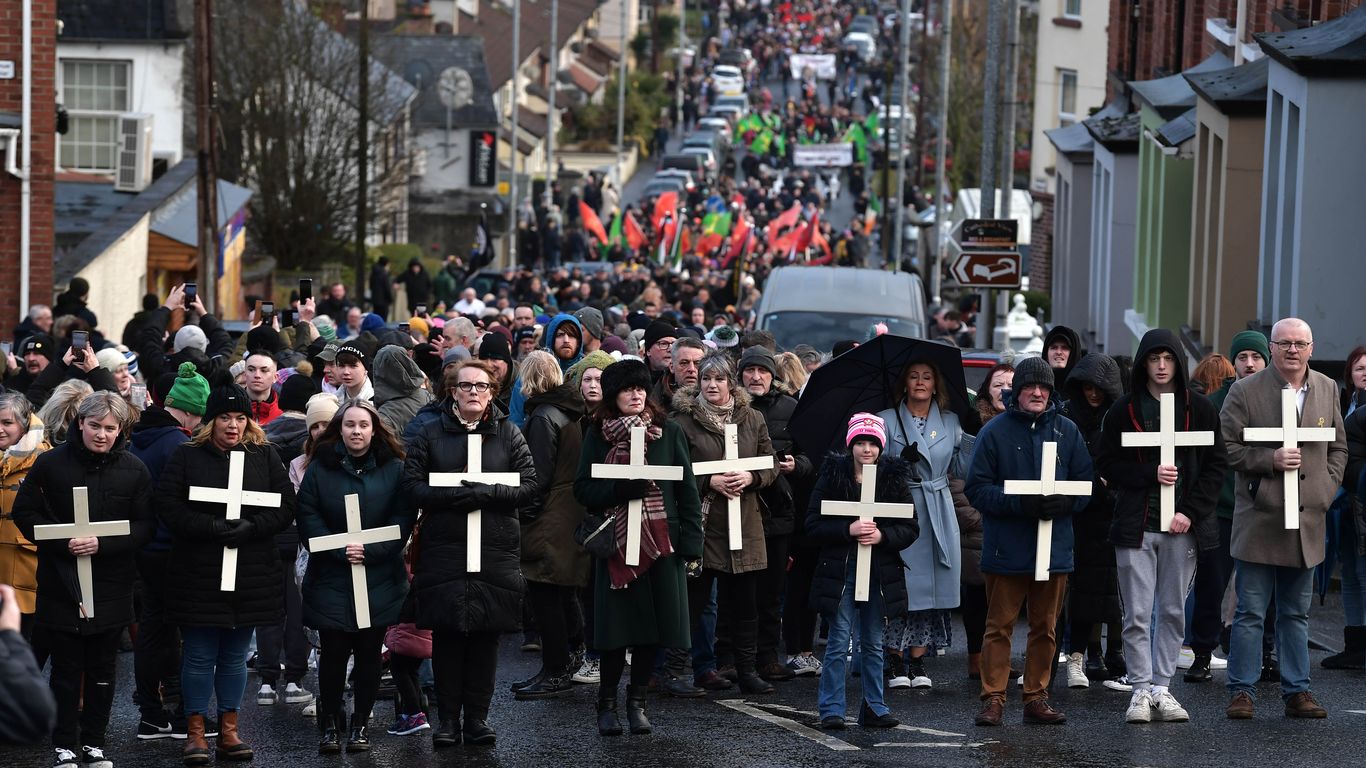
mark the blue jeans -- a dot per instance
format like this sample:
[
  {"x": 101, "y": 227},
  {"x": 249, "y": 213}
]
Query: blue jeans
[
  {"x": 870, "y": 623},
  {"x": 1353, "y": 572},
  {"x": 1292, "y": 589},
  {"x": 214, "y": 661}
]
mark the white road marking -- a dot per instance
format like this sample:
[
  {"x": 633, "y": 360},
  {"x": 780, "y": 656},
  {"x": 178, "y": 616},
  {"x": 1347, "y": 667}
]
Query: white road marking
[
  {"x": 1357, "y": 711},
  {"x": 967, "y": 744},
  {"x": 928, "y": 731},
  {"x": 740, "y": 705}
]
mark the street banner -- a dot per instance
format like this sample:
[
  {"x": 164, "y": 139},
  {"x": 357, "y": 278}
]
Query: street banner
[
  {"x": 822, "y": 63},
  {"x": 823, "y": 155}
]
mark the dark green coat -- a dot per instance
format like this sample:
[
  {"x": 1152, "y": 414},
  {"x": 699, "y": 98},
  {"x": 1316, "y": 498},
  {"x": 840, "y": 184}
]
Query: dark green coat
[
  {"x": 328, "y": 601},
  {"x": 653, "y": 609}
]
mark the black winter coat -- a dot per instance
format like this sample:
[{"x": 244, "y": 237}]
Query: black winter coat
[
  {"x": 1093, "y": 596},
  {"x": 327, "y": 593},
  {"x": 193, "y": 597},
  {"x": 1355, "y": 427},
  {"x": 788, "y": 494},
  {"x": 99, "y": 378},
  {"x": 835, "y": 482},
  {"x": 119, "y": 488},
  {"x": 153, "y": 360},
  {"x": 448, "y": 596},
  {"x": 549, "y": 553}
]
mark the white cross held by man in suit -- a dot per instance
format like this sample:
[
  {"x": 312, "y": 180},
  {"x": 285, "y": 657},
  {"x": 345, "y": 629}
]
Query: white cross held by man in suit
[
  {"x": 82, "y": 528},
  {"x": 1047, "y": 485},
  {"x": 636, "y": 470},
  {"x": 1166, "y": 440},
  {"x": 733, "y": 463},
  {"x": 234, "y": 498},
  {"x": 866, "y": 508},
  {"x": 1290, "y": 435},
  {"x": 474, "y": 472},
  {"x": 356, "y": 534}
]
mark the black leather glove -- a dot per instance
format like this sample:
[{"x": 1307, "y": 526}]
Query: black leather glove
[
  {"x": 1053, "y": 506},
  {"x": 911, "y": 453},
  {"x": 628, "y": 490},
  {"x": 239, "y": 532},
  {"x": 1029, "y": 505},
  {"x": 480, "y": 493}
]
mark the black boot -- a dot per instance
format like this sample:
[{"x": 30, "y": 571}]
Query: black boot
[
  {"x": 750, "y": 683},
  {"x": 357, "y": 741},
  {"x": 529, "y": 682},
  {"x": 609, "y": 724},
  {"x": 1353, "y": 654},
  {"x": 869, "y": 719},
  {"x": 547, "y": 686},
  {"x": 478, "y": 732},
  {"x": 330, "y": 744},
  {"x": 635, "y": 709},
  {"x": 1199, "y": 669}
]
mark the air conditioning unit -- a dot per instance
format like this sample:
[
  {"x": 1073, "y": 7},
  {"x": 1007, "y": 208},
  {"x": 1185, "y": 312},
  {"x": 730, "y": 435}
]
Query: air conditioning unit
[{"x": 135, "y": 152}]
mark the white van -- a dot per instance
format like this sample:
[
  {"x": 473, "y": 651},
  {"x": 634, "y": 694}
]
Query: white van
[{"x": 820, "y": 306}]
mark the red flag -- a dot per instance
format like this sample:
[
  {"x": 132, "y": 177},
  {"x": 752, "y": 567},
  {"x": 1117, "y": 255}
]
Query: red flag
[
  {"x": 591, "y": 223},
  {"x": 804, "y": 241},
  {"x": 634, "y": 237},
  {"x": 708, "y": 243},
  {"x": 788, "y": 218},
  {"x": 818, "y": 240},
  {"x": 739, "y": 236},
  {"x": 665, "y": 203}
]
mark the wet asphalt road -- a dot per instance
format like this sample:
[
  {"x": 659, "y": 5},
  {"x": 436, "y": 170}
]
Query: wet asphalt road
[{"x": 727, "y": 729}]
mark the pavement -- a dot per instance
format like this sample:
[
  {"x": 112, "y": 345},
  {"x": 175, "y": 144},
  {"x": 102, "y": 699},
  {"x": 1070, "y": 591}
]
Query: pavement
[{"x": 728, "y": 729}]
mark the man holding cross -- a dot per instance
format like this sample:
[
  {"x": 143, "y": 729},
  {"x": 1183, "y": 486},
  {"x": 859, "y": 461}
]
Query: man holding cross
[
  {"x": 1275, "y": 547},
  {"x": 1009, "y": 447},
  {"x": 1157, "y": 533},
  {"x": 87, "y": 505}
]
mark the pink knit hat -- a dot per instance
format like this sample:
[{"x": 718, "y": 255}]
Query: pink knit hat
[{"x": 866, "y": 425}]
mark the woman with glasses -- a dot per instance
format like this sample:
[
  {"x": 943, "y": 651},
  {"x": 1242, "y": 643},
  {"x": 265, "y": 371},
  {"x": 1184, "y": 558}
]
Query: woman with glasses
[{"x": 465, "y": 610}]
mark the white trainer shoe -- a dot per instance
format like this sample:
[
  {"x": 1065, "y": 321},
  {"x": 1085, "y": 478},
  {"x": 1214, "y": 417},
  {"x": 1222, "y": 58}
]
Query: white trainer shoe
[
  {"x": 1076, "y": 672},
  {"x": 1140, "y": 707},
  {"x": 266, "y": 696},
  {"x": 1167, "y": 709},
  {"x": 296, "y": 695}
]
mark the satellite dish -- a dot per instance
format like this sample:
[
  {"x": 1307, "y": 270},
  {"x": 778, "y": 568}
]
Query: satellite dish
[{"x": 455, "y": 88}]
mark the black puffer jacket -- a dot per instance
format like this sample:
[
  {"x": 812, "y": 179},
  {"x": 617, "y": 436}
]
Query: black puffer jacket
[
  {"x": 1094, "y": 593},
  {"x": 781, "y": 497},
  {"x": 549, "y": 554},
  {"x": 449, "y": 597},
  {"x": 153, "y": 360},
  {"x": 835, "y": 482},
  {"x": 193, "y": 575},
  {"x": 118, "y": 488}
]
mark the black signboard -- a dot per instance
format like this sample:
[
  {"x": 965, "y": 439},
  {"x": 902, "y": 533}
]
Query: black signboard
[
  {"x": 989, "y": 233},
  {"x": 483, "y": 151}
]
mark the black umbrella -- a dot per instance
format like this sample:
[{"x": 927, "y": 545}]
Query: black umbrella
[{"x": 868, "y": 378}]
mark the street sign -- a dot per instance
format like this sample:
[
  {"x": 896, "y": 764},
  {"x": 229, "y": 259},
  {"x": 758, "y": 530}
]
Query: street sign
[
  {"x": 989, "y": 233},
  {"x": 987, "y": 269}
]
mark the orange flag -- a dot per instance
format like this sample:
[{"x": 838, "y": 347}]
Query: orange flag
[
  {"x": 591, "y": 223},
  {"x": 634, "y": 237},
  {"x": 665, "y": 203}
]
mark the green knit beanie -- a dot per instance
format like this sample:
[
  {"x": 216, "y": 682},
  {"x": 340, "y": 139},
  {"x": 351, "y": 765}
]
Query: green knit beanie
[
  {"x": 190, "y": 391},
  {"x": 1253, "y": 340}
]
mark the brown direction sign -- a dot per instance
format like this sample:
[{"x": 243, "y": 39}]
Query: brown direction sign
[{"x": 987, "y": 269}]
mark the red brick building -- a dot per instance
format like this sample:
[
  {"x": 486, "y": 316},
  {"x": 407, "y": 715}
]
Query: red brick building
[{"x": 44, "y": 117}]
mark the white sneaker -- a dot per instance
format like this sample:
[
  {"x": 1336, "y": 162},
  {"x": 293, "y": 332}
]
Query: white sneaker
[
  {"x": 589, "y": 672},
  {"x": 1076, "y": 672},
  {"x": 1140, "y": 707},
  {"x": 65, "y": 757},
  {"x": 1062, "y": 657},
  {"x": 296, "y": 695},
  {"x": 1217, "y": 663},
  {"x": 922, "y": 681},
  {"x": 900, "y": 681},
  {"x": 1187, "y": 657},
  {"x": 1167, "y": 709},
  {"x": 311, "y": 710},
  {"x": 266, "y": 696},
  {"x": 93, "y": 757},
  {"x": 1120, "y": 683}
]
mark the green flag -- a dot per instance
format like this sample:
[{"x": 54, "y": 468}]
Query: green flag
[
  {"x": 870, "y": 123},
  {"x": 716, "y": 224},
  {"x": 761, "y": 142},
  {"x": 781, "y": 142},
  {"x": 859, "y": 139},
  {"x": 873, "y": 202},
  {"x": 613, "y": 236}
]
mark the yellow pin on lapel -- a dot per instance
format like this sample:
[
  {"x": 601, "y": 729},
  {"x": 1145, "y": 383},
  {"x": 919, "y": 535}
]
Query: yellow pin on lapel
[
  {"x": 935, "y": 434},
  {"x": 1320, "y": 421}
]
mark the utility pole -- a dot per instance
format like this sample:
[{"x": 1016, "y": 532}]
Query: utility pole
[
  {"x": 621, "y": 105},
  {"x": 678, "y": 85},
  {"x": 920, "y": 133},
  {"x": 550, "y": 173},
  {"x": 363, "y": 150},
  {"x": 941, "y": 151},
  {"x": 514, "y": 140},
  {"x": 986, "y": 320},
  {"x": 206, "y": 128},
  {"x": 903, "y": 55},
  {"x": 1005, "y": 177}
]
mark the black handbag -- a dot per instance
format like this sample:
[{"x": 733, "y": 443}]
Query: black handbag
[{"x": 597, "y": 534}]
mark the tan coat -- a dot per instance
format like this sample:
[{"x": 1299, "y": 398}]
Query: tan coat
[
  {"x": 707, "y": 445},
  {"x": 18, "y": 556},
  {"x": 1259, "y": 534}
]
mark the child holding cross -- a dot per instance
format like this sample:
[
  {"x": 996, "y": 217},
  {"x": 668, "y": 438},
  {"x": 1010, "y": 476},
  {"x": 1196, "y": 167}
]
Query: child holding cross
[{"x": 834, "y": 585}]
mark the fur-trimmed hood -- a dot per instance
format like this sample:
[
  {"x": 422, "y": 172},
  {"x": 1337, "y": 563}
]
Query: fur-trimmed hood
[
  {"x": 893, "y": 476},
  {"x": 685, "y": 399}
]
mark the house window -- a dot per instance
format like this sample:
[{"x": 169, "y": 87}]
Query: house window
[
  {"x": 1071, "y": 9},
  {"x": 1067, "y": 96},
  {"x": 94, "y": 93}
]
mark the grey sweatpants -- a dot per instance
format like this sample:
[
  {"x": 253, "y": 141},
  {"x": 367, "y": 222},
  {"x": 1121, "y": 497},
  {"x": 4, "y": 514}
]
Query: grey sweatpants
[{"x": 1153, "y": 581}]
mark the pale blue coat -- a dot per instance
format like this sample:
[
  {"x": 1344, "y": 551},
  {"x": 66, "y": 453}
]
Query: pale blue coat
[{"x": 934, "y": 561}]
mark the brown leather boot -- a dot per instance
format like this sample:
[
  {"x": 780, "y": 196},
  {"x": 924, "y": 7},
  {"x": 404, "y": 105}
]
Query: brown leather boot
[
  {"x": 196, "y": 751},
  {"x": 230, "y": 746}
]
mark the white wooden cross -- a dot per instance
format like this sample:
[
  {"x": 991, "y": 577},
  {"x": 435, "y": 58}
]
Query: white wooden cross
[
  {"x": 356, "y": 534},
  {"x": 636, "y": 470},
  {"x": 733, "y": 463},
  {"x": 1166, "y": 439},
  {"x": 82, "y": 528},
  {"x": 1047, "y": 485},
  {"x": 474, "y": 472},
  {"x": 866, "y": 508},
  {"x": 234, "y": 498},
  {"x": 1290, "y": 435}
]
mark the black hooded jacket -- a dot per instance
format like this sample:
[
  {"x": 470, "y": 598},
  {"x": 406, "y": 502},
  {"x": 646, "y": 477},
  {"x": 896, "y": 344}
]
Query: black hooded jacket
[
  {"x": 1101, "y": 372},
  {"x": 1063, "y": 333},
  {"x": 1132, "y": 472}
]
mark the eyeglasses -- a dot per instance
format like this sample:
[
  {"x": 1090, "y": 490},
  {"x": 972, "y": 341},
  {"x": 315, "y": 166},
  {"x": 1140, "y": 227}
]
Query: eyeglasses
[
  {"x": 473, "y": 386},
  {"x": 664, "y": 343},
  {"x": 1299, "y": 346}
]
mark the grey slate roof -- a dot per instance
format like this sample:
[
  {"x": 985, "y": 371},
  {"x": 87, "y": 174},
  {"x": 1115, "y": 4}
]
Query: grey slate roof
[
  {"x": 1075, "y": 139},
  {"x": 1118, "y": 134},
  {"x": 178, "y": 217},
  {"x": 1172, "y": 95},
  {"x": 1335, "y": 48},
  {"x": 126, "y": 19},
  {"x": 420, "y": 60},
  {"x": 1236, "y": 90},
  {"x": 1179, "y": 130}
]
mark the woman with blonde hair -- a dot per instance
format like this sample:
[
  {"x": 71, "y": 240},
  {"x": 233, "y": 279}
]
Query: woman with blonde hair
[
  {"x": 22, "y": 439},
  {"x": 791, "y": 371},
  {"x": 60, "y": 409},
  {"x": 216, "y": 625}
]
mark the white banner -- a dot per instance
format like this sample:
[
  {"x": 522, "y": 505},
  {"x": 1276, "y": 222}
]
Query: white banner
[
  {"x": 822, "y": 63},
  {"x": 823, "y": 155}
]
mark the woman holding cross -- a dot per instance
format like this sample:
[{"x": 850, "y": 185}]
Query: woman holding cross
[{"x": 356, "y": 454}]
